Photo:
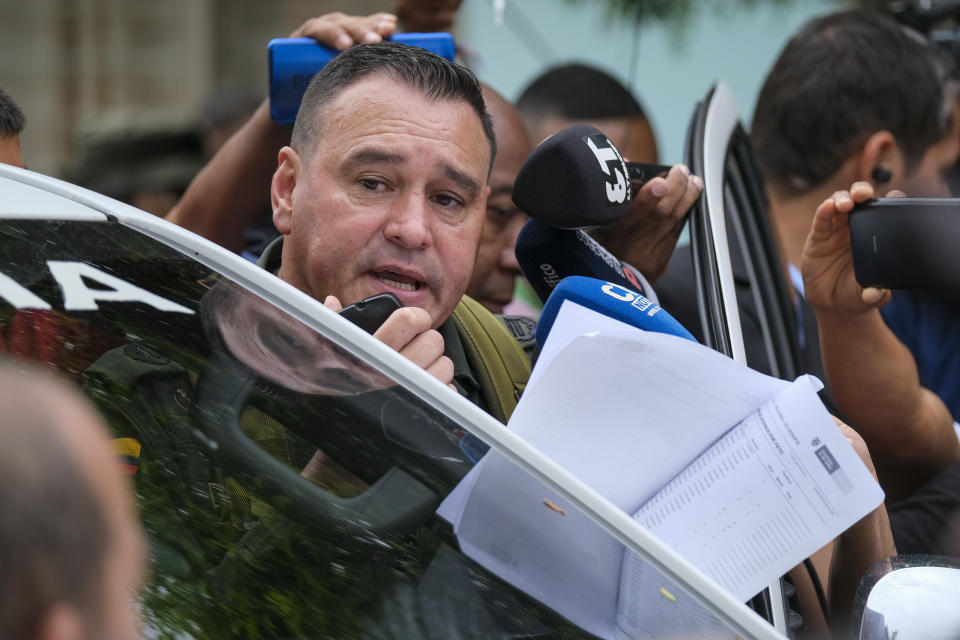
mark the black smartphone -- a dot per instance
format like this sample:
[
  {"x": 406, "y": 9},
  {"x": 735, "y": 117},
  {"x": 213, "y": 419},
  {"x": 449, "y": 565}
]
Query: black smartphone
[
  {"x": 641, "y": 173},
  {"x": 370, "y": 313},
  {"x": 907, "y": 243}
]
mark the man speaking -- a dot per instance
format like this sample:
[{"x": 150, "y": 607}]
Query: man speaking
[{"x": 383, "y": 189}]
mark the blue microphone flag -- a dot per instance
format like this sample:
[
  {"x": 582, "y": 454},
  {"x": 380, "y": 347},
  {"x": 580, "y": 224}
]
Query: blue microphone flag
[{"x": 610, "y": 299}]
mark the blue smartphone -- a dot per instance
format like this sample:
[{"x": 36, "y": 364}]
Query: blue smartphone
[{"x": 294, "y": 61}]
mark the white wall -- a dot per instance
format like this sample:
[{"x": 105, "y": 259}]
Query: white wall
[{"x": 673, "y": 70}]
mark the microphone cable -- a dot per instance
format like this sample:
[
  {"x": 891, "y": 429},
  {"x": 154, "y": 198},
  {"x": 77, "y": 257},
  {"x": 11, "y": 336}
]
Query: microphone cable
[{"x": 818, "y": 587}]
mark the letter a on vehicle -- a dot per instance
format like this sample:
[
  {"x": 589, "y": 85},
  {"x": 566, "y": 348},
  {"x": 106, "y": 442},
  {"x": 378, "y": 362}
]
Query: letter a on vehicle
[
  {"x": 78, "y": 297},
  {"x": 18, "y": 295}
]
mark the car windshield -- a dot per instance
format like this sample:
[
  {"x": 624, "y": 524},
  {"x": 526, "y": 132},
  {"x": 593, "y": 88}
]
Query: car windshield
[{"x": 288, "y": 489}]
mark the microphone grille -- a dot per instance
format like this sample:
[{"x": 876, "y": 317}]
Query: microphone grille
[{"x": 575, "y": 178}]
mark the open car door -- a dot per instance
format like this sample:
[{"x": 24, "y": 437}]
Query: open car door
[
  {"x": 734, "y": 254},
  {"x": 225, "y": 387}
]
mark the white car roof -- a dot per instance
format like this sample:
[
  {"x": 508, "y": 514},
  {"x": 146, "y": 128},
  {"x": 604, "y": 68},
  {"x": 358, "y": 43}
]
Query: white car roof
[{"x": 21, "y": 199}]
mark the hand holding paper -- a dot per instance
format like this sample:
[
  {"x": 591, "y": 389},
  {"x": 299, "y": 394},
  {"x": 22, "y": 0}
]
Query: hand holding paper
[{"x": 743, "y": 474}]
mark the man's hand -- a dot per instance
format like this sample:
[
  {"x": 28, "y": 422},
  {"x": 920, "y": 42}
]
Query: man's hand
[
  {"x": 871, "y": 373},
  {"x": 647, "y": 236},
  {"x": 857, "y": 443},
  {"x": 827, "y": 263},
  {"x": 408, "y": 332},
  {"x": 341, "y": 31}
]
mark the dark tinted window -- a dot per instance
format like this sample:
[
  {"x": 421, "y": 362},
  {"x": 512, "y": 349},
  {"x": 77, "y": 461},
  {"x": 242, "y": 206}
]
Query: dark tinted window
[
  {"x": 217, "y": 410},
  {"x": 219, "y": 401}
]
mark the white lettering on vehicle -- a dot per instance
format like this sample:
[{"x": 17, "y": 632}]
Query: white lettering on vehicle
[
  {"x": 18, "y": 295},
  {"x": 77, "y": 296}
]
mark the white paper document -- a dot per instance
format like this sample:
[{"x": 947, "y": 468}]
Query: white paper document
[{"x": 742, "y": 474}]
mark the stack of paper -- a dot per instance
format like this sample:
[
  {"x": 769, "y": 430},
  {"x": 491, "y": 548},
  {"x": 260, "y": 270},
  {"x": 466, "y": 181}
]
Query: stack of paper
[{"x": 743, "y": 474}]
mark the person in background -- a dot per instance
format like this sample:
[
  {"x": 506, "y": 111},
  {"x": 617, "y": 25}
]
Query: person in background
[
  {"x": 893, "y": 123},
  {"x": 576, "y": 93},
  {"x": 222, "y": 114},
  {"x": 426, "y": 16},
  {"x": 875, "y": 381},
  {"x": 496, "y": 271},
  {"x": 891, "y": 120},
  {"x": 72, "y": 553},
  {"x": 142, "y": 163},
  {"x": 11, "y": 124},
  {"x": 573, "y": 93},
  {"x": 881, "y": 110}
]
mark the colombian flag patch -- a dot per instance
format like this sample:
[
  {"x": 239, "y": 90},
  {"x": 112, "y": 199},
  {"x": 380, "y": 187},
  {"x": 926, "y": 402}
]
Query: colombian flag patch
[{"x": 129, "y": 451}]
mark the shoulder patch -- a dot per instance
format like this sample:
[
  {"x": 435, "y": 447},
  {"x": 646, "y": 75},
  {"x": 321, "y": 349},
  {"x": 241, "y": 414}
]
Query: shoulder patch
[
  {"x": 145, "y": 354},
  {"x": 522, "y": 328}
]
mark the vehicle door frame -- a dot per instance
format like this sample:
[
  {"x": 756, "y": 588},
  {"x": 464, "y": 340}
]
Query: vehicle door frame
[{"x": 311, "y": 312}]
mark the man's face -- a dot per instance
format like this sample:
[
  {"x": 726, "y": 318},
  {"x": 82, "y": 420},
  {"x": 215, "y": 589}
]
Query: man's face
[
  {"x": 10, "y": 152},
  {"x": 496, "y": 268},
  {"x": 929, "y": 179},
  {"x": 391, "y": 200}
]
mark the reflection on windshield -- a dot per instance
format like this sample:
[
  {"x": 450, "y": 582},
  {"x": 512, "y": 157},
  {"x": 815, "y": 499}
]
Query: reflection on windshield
[
  {"x": 239, "y": 550},
  {"x": 281, "y": 348}
]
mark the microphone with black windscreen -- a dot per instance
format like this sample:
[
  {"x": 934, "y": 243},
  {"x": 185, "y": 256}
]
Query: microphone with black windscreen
[
  {"x": 576, "y": 178},
  {"x": 547, "y": 255}
]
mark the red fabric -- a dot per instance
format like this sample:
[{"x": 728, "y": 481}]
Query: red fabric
[{"x": 65, "y": 344}]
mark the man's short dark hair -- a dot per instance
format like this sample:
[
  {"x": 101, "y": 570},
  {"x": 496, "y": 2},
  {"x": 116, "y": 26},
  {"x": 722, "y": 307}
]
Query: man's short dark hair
[
  {"x": 11, "y": 117},
  {"x": 578, "y": 92},
  {"x": 841, "y": 79},
  {"x": 54, "y": 533},
  {"x": 435, "y": 77}
]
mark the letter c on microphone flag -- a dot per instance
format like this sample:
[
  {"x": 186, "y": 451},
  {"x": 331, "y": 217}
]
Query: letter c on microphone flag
[{"x": 610, "y": 299}]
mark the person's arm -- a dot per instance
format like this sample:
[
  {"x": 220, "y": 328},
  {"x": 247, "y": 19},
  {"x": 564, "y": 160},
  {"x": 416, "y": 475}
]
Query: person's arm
[
  {"x": 842, "y": 563},
  {"x": 647, "y": 236},
  {"x": 856, "y": 550},
  {"x": 233, "y": 189},
  {"x": 872, "y": 375}
]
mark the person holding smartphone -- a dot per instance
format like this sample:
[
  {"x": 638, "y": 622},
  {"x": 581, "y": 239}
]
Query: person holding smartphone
[{"x": 910, "y": 432}]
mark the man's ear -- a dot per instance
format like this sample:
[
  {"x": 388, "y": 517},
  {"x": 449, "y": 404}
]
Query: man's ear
[
  {"x": 881, "y": 162},
  {"x": 281, "y": 188},
  {"x": 60, "y": 622}
]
